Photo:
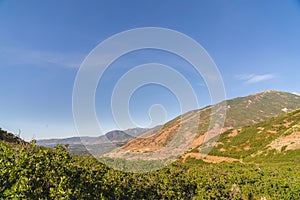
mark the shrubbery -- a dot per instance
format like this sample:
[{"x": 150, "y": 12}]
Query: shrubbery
[{"x": 40, "y": 173}]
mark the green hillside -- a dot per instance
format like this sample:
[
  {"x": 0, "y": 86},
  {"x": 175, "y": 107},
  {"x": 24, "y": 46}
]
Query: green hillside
[
  {"x": 244, "y": 111},
  {"x": 279, "y": 135}
]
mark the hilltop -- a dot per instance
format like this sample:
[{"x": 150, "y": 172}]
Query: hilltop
[{"x": 241, "y": 112}]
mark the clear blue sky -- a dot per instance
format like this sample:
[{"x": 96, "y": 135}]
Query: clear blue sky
[{"x": 255, "y": 44}]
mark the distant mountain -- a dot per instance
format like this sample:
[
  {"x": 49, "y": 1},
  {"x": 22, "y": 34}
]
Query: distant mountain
[
  {"x": 124, "y": 136},
  {"x": 242, "y": 111},
  {"x": 115, "y": 136},
  {"x": 79, "y": 145},
  {"x": 53, "y": 142}
]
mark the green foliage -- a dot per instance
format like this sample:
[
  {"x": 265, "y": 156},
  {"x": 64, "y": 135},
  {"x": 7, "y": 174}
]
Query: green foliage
[
  {"x": 40, "y": 173},
  {"x": 255, "y": 138},
  {"x": 28, "y": 171}
]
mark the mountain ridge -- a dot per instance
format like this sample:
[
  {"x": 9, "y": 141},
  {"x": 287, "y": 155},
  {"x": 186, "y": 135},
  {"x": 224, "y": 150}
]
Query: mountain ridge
[
  {"x": 241, "y": 111},
  {"x": 114, "y": 136}
]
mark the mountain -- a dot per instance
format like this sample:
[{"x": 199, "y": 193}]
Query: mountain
[
  {"x": 115, "y": 136},
  {"x": 241, "y": 112},
  {"x": 103, "y": 143}
]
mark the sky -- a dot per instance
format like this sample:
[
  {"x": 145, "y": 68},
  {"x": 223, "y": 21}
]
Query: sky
[{"x": 255, "y": 45}]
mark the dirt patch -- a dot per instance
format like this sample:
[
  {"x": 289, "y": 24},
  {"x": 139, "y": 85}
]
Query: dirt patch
[
  {"x": 273, "y": 132},
  {"x": 198, "y": 141},
  {"x": 290, "y": 142},
  {"x": 219, "y": 143},
  {"x": 218, "y": 159},
  {"x": 261, "y": 128},
  {"x": 246, "y": 148},
  {"x": 233, "y": 133},
  {"x": 257, "y": 153},
  {"x": 209, "y": 158},
  {"x": 191, "y": 155},
  {"x": 288, "y": 124}
]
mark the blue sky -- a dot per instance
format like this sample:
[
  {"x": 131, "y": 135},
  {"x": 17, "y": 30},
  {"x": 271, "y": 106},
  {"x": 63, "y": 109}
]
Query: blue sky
[{"x": 255, "y": 44}]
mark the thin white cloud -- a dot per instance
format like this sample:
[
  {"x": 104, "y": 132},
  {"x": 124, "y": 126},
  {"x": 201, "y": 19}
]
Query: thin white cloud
[
  {"x": 255, "y": 78},
  {"x": 16, "y": 56}
]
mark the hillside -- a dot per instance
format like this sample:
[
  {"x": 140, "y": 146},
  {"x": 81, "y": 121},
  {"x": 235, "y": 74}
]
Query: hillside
[
  {"x": 243, "y": 111},
  {"x": 277, "y": 137},
  {"x": 10, "y": 138}
]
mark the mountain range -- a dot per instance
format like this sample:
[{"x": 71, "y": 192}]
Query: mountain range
[
  {"x": 241, "y": 113},
  {"x": 106, "y": 142}
]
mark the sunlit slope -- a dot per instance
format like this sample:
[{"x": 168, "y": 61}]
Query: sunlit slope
[
  {"x": 279, "y": 135},
  {"x": 241, "y": 112}
]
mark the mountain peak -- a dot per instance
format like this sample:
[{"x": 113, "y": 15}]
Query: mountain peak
[{"x": 268, "y": 91}]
